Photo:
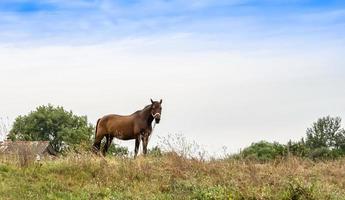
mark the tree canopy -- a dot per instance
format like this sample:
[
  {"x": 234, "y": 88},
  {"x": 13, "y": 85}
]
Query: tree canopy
[
  {"x": 326, "y": 133},
  {"x": 62, "y": 128}
]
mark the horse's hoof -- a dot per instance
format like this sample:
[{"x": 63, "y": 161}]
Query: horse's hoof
[{"x": 94, "y": 150}]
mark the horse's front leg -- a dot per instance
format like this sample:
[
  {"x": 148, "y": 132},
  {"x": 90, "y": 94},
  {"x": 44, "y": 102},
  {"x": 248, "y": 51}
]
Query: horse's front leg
[
  {"x": 137, "y": 144},
  {"x": 145, "y": 140}
]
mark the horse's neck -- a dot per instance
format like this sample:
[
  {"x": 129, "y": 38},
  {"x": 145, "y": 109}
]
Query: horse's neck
[{"x": 147, "y": 116}]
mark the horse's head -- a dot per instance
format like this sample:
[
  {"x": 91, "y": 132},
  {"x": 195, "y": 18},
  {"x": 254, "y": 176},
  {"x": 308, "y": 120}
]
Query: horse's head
[{"x": 156, "y": 110}]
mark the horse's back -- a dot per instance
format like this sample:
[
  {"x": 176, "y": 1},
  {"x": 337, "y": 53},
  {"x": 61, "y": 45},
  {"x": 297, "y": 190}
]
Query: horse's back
[{"x": 118, "y": 125}]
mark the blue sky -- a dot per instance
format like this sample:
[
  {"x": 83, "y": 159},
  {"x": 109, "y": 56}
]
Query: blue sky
[
  {"x": 229, "y": 72},
  {"x": 95, "y": 20}
]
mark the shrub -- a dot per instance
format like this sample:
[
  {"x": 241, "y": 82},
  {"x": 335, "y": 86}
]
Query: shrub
[
  {"x": 298, "y": 148},
  {"x": 264, "y": 151},
  {"x": 319, "y": 153},
  {"x": 155, "y": 151},
  {"x": 117, "y": 150}
]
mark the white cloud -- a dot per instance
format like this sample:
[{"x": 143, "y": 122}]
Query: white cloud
[{"x": 238, "y": 78}]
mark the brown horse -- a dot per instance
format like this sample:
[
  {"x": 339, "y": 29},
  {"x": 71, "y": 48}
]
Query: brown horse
[{"x": 136, "y": 126}]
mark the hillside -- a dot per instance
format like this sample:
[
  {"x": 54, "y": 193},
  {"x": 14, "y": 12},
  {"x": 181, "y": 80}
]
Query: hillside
[{"x": 171, "y": 177}]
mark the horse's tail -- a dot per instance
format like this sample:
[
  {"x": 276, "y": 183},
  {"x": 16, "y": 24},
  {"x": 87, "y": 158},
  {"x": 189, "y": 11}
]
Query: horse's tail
[
  {"x": 97, "y": 127},
  {"x": 97, "y": 144}
]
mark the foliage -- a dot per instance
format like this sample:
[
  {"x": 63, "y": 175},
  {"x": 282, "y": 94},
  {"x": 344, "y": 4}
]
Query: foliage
[
  {"x": 62, "y": 128},
  {"x": 326, "y": 132},
  {"x": 298, "y": 190},
  {"x": 117, "y": 150},
  {"x": 297, "y": 148},
  {"x": 320, "y": 153},
  {"x": 264, "y": 151},
  {"x": 155, "y": 151},
  {"x": 325, "y": 139},
  {"x": 211, "y": 193}
]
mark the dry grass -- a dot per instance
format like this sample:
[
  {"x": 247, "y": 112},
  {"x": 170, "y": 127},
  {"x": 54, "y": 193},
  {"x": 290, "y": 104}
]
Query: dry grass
[
  {"x": 171, "y": 177},
  {"x": 4, "y": 128}
]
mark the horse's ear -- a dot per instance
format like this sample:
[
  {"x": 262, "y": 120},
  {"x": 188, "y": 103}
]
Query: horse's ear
[
  {"x": 151, "y": 101},
  {"x": 161, "y": 101}
]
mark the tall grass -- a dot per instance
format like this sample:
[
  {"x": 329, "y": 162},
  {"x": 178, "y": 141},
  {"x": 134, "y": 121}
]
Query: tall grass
[
  {"x": 171, "y": 176},
  {"x": 4, "y": 128}
]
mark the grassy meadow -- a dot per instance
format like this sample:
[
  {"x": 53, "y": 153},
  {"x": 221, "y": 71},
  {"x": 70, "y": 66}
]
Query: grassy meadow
[{"x": 170, "y": 176}]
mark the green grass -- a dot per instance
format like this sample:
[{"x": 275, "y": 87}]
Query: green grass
[{"x": 171, "y": 177}]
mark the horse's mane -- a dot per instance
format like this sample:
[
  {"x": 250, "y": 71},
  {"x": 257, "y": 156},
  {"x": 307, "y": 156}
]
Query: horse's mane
[{"x": 146, "y": 107}]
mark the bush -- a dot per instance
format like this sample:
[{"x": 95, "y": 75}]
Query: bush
[
  {"x": 155, "y": 151},
  {"x": 324, "y": 153},
  {"x": 264, "y": 151},
  {"x": 117, "y": 150},
  {"x": 320, "y": 153},
  {"x": 298, "y": 148}
]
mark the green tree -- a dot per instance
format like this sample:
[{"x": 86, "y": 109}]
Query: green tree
[
  {"x": 264, "y": 151},
  {"x": 62, "y": 128},
  {"x": 326, "y": 133}
]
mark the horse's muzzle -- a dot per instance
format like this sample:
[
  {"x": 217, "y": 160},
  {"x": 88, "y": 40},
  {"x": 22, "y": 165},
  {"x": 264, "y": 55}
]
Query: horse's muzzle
[{"x": 157, "y": 117}]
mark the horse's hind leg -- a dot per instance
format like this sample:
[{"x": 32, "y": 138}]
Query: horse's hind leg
[
  {"x": 97, "y": 143},
  {"x": 109, "y": 139}
]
